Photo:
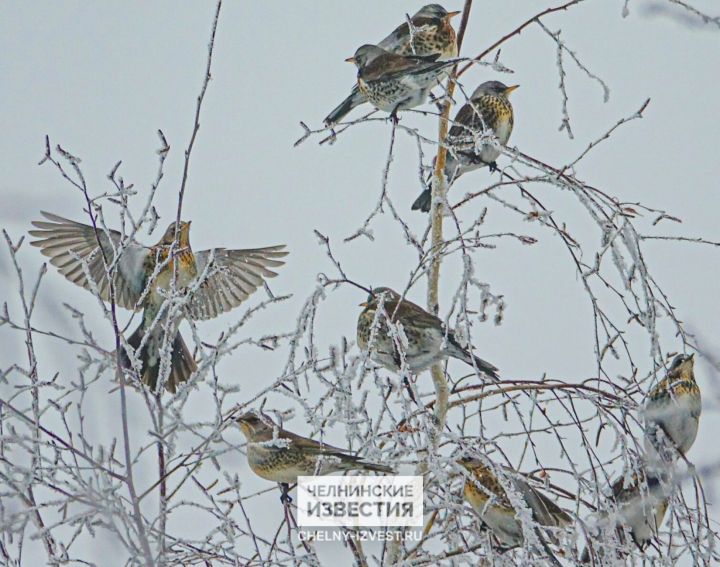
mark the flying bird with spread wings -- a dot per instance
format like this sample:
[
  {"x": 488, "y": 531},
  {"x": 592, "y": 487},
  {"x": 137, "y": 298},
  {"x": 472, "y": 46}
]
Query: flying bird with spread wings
[{"x": 215, "y": 281}]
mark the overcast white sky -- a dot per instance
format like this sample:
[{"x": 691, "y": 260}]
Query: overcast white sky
[{"x": 101, "y": 78}]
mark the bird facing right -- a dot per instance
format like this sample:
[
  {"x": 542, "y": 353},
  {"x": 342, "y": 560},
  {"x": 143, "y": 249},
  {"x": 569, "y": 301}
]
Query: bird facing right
[
  {"x": 428, "y": 342},
  {"x": 673, "y": 411},
  {"x": 471, "y": 145}
]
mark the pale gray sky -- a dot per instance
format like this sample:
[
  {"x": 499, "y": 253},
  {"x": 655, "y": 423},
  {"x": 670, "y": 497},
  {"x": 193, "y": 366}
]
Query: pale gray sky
[{"x": 101, "y": 78}]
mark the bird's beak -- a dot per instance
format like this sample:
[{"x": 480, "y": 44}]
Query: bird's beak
[
  {"x": 692, "y": 356},
  {"x": 363, "y": 304},
  {"x": 350, "y": 60},
  {"x": 453, "y": 14},
  {"x": 510, "y": 89}
]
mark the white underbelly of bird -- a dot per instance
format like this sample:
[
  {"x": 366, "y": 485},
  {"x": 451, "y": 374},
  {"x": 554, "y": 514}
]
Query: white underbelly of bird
[
  {"x": 423, "y": 349},
  {"x": 643, "y": 517},
  {"x": 504, "y": 525},
  {"x": 677, "y": 418},
  {"x": 407, "y": 92}
]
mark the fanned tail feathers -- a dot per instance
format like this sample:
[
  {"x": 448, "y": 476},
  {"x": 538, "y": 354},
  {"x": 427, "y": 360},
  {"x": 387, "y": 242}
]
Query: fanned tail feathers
[{"x": 182, "y": 364}]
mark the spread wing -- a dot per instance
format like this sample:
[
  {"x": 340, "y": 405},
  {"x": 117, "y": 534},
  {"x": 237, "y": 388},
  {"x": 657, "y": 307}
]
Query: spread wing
[
  {"x": 230, "y": 276},
  {"x": 73, "y": 249}
]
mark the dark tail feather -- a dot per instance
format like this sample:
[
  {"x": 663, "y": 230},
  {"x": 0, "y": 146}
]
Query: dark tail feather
[
  {"x": 355, "y": 98},
  {"x": 585, "y": 556},
  {"x": 486, "y": 368},
  {"x": 182, "y": 364},
  {"x": 550, "y": 553},
  {"x": 377, "y": 468},
  {"x": 134, "y": 341},
  {"x": 354, "y": 462},
  {"x": 466, "y": 356},
  {"x": 423, "y": 202}
]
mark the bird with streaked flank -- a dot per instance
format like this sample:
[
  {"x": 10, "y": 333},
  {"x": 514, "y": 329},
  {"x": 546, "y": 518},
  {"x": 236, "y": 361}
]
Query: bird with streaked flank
[
  {"x": 672, "y": 412},
  {"x": 428, "y": 341},
  {"x": 393, "y": 82},
  {"x": 482, "y": 123},
  {"x": 282, "y": 456},
  {"x": 484, "y": 492},
  {"x": 431, "y": 34},
  {"x": 638, "y": 507},
  {"x": 214, "y": 281}
]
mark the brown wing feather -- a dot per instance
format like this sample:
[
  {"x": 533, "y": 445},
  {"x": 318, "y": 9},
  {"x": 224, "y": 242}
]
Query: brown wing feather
[
  {"x": 73, "y": 249},
  {"x": 388, "y": 65},
  {"x": 469, "y": 121},
  {"x": 545, "y": 511},
  {"x": 233, "y": 276},
  {"x": 408, "y": 312},
  {"x": 400, "y": 36},
  {"x": 311, "y": 445}
]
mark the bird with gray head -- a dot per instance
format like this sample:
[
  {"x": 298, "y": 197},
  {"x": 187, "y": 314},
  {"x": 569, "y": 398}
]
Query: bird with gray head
[
  {"x": 480, "y": 127},
  {"x": 393, "y": 82},
  {"x": 672, "y": 413},
  {"x": 282, "y": 456},
  {"x": 486, "y": 494},
  {"x": 428, "y": 341},
  {"x": 431, "y": 34}
]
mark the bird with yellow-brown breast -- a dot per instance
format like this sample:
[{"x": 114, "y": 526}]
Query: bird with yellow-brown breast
[
  {"x": 428, "y": 341},
  {"x": 281, "y": 456},
  {"x": 480, "y": 128},
  {"x": 215, "y": 281},
  {"x": 484, "y": 492},
  {"x": 672, "y": 412}
]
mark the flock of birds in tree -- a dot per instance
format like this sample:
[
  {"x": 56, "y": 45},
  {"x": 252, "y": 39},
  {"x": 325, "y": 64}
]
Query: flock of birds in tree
[{"x": 398, "y": 73}]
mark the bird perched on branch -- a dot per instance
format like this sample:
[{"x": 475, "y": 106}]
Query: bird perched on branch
[
  {"x": 428, "y": 341},
  {"x": 213, "y": 281},
  {"x": 431, "y": 34},
  {"x": 393, "y": 82},
  {"x": 481, "y": 126},
  {"x": 637, "y": 507},
  {"x": 484, "y": 492},
  {"x": 672, "y": 412},
  {"x": 282, "y": 456}
]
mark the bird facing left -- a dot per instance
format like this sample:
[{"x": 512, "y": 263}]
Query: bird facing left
[{"x": 282, "y": 456}]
